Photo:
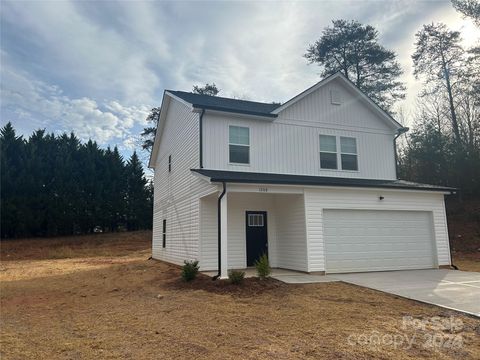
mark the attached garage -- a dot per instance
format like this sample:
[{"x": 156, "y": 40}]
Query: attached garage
[
  {"x": 329, "y": 225},
  {"x": 369, "y": 240}
]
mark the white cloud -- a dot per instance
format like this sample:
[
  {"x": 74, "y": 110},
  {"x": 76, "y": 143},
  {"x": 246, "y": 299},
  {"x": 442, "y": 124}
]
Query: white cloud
[
  {"x": 86, "y": 55},
  {"x": 34, "y": 99}
]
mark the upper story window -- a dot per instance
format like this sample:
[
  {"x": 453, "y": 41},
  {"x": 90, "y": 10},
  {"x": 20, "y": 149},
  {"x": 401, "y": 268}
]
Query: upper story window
[
  {"x": 348, "y": 148},
  {"x": 239, "y": 144},
  {"x": 330, "y": 157},
  {"x": 328, "y": 152}
]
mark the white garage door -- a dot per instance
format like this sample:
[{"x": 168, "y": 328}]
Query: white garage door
[{"x": 364, "y": 240}]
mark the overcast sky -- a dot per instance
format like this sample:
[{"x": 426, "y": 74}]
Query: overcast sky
[{"x": 98, "y": 67}]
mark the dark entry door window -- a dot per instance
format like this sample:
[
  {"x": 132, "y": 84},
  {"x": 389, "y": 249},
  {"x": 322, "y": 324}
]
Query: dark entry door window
[{"x": 257, "y": 240}]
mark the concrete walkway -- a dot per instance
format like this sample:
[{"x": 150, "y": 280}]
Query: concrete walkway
[
  {"x": 451, "y": 289},
  {"x": 296, "y": 277}
]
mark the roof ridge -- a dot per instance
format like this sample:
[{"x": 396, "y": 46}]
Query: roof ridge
[{"x": 224, "y": 97}]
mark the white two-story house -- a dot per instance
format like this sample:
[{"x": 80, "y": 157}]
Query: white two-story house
[{"x": 311, "y": 183}]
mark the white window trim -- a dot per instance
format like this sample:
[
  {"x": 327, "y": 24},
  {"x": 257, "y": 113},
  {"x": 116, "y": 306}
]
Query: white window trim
[
  {"x": 339, "y": 153},
  {"x": 249, "y": 145}
]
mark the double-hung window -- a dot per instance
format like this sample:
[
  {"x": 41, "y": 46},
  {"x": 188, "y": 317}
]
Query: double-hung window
[
  {"x": 239, "y": 144},
  {"x": 328, "y": 152},
  {"x": 331, "y": 158},
  {"x": 348, "y": 148}
]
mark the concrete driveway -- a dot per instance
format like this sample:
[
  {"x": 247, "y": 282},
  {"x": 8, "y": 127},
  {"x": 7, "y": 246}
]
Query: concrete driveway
[{"x": 452, "y": 289}]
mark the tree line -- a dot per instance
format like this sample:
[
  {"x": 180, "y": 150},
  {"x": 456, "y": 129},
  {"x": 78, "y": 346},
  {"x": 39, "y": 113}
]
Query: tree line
[
  {"x": 56, "y": 185},
  {"x": 444, "y": 146}
]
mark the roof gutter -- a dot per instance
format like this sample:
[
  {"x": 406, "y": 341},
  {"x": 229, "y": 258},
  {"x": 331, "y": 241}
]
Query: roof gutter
[
  {"x": 241, "y": 113},
  {"x": 219, "y": 237},
  {"x": 400, "y": 131}
]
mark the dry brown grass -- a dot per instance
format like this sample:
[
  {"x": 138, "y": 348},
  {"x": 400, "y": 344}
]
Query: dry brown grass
[
  {"x": 467, "y": 261},
  {"x": 110, "y": 244},
  {"x": 107, "y": 307}
]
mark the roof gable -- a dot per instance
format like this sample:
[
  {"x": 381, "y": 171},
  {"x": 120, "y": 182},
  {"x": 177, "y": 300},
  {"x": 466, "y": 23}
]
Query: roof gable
[
  {"x": 350, "y": 86},
  {"x": 158, "y": 134}
]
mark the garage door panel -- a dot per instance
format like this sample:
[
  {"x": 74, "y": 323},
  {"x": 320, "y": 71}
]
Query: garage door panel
[{"x": 364, "y": 240}]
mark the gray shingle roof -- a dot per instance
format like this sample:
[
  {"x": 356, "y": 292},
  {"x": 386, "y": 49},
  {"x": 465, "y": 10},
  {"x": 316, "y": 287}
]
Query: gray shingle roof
[
  {"x": 283, "y": 179},
  {"x": 226, "y": 104}
]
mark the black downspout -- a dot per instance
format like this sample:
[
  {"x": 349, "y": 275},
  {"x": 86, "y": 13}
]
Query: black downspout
[
  {"x": 219, "y": 219},
  {"x": 201, "y": 138}
]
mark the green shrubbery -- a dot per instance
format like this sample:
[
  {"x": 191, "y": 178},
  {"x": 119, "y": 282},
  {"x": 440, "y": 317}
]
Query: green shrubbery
[
  {"x": 190, "y": 270},
  {"x": 263, "y": 267},
  {"x": 236, "y": 276}
]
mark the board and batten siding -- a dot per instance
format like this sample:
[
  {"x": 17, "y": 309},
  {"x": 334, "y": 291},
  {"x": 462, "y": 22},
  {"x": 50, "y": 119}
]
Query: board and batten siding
[
  {"x": 291, "y": 233},
  {"x": 177, "y": 193},
  {"x": 286, "y": 229},
  {"x": 318, "y": 200},
  {"x": 289, "y": 144},
  {"x": 208, "y": 233},
  {"x": 238, "y": 204}
]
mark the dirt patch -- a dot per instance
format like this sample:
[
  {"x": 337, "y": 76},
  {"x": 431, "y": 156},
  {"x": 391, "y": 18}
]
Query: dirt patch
[
  {"x": 464, "y": 225},
  {"x": 467, "y": 261},
  {"x": 128, "y": 307}
]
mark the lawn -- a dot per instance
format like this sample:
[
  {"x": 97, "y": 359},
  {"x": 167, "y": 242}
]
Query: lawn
[{"x": 100, "y": 297}]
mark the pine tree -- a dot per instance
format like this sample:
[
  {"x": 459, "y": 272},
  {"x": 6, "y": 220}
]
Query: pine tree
[
  {"x": 353, "y": 49},
  {"x": 12, "y": 204},
  {"x": 137, "y": 197},
  {"x": 438, "y": 58},
  {"x": 208, "y": 89}
]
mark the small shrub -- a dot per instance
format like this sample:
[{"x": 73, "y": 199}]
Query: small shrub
[
  {"x": 236, "y": 276},
  {"x": 190, "y": 270},
  {"x": 263, "y": 267}
]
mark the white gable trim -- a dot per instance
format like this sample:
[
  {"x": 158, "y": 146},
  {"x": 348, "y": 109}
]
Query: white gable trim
[
  {"x": 382, "y": 113},
  {"x": 178, "y": 99},
  {"x": 167, "y": 98},
  {"x": 160, "y": 126}
]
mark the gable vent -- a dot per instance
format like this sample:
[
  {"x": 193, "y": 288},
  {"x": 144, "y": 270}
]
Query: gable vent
[{"x": 336, "y": 97}]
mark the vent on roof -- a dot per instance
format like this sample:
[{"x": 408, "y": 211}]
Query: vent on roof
[{"x": 336, "y": 97}]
